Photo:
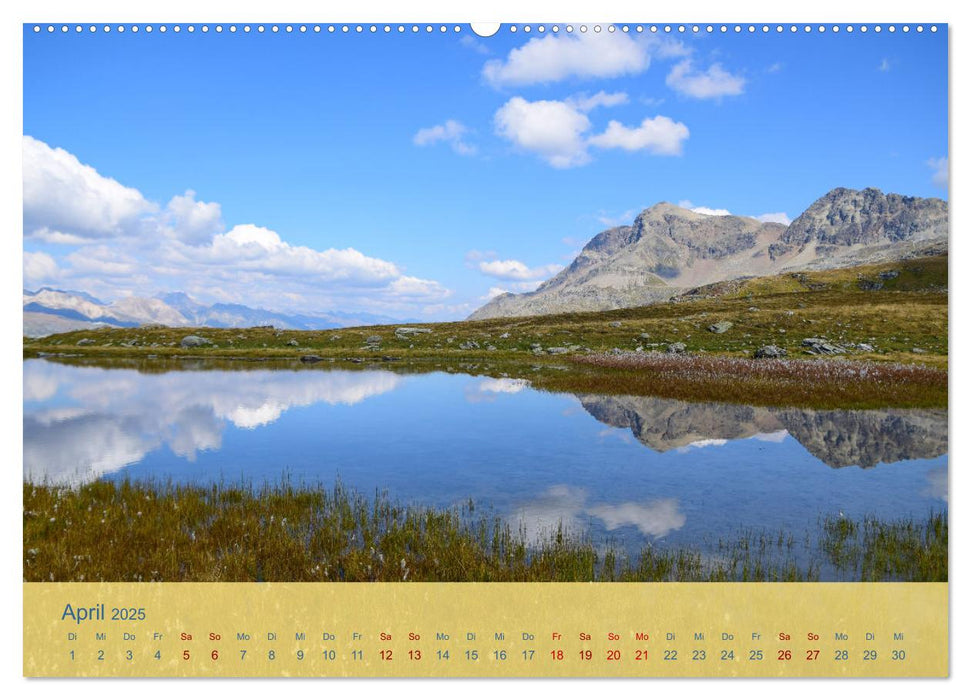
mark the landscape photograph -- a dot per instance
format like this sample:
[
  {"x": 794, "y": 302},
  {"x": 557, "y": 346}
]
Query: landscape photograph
[{"x": 564, "y": 303}]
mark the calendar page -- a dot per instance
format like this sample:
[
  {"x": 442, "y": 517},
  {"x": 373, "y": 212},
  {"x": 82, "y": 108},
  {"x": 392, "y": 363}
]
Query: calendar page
[{"x": 553, "y": 349}]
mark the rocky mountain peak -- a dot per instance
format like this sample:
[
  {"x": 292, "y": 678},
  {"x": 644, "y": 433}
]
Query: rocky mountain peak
[
  {"x": 668, "y": 249},
  {"x": 845, "y": 217}
]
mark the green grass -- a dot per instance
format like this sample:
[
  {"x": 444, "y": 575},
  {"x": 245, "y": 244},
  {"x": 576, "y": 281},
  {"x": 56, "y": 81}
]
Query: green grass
[
  {"x": 905, "y": 321},
  {"x": 105, "y": 531}
]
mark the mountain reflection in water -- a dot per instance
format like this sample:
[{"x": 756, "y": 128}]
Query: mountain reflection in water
[{"x": 629, "y": 469}]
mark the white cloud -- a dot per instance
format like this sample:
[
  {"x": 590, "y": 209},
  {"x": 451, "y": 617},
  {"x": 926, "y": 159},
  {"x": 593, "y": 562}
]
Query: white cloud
[
  {"x": 884, "y": 66},
  {"x": 247, "y": 247},
  {"x": 416, "y": 288},
  {"x": 778, "y": 217},
  {"x": 707, "y": 211},
  {"x": 659, "y": 136},
  {"x": 122, "y": 244},
  {"x": 103, "y": 261},
  {"x": 557, "y": 130},
  {"x": 586, "y": 103},
  {"x": 939, "y": 166},
  {"x": 557, "y": 57},
  {"x": 191, "y": 221},
  {"x": 66, "y": 201},
  {"x": 713, "y": 83},
  {"x": 451, "y": 132},
  {"x": 39, "y": 269},
  {"x": 495, "y": 292},
  {"x": 653, "y": 519},
  {"x": 552, "y": 129},
  {"x": 516, "y": 270}
]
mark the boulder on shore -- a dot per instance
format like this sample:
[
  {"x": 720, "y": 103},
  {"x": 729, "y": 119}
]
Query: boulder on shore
[
  {"x": 194, "y": 341},
  {"x": 770, "y": 352}
]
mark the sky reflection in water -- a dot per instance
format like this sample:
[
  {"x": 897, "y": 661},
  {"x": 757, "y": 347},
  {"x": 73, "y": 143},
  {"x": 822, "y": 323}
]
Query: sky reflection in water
[{"x": 630, "y": 469}]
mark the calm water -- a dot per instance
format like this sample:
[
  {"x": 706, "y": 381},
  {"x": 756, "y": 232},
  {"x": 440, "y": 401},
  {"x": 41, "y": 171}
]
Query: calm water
[{"x": 627, "y": 468}]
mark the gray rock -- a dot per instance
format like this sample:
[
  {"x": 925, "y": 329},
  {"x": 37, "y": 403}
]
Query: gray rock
[
  {"x": 293, "y": 343},
  {"x": 557, "y": 351},
  {"x": 864, "y": 347},
  {"x": 821, "y": 346},
  {"x": 918, "y": 351},
  {"x": 615, "y": 324},
  {"x": 676, "y": 348},
  {"x": 194, "y": 341},
  {"x": 373, "y": 339},
  {"x": 504, "y": 335},
  {"x": 408, "y": 331},
  {"x": 720, "y": 327},
  {"x": 770, "y": 352},
  {"x": 645, "y": 336},
  {"x": 85, "y": 341},
  {"x": 890, "y": 274},
  {"x": 310, "y": 359},
  {"x": 469, "y": 345}
]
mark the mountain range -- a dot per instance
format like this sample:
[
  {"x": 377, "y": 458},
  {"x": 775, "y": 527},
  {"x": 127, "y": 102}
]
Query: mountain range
[
  {"x": 668, "y": 250},
  {"x": 48, "y": 310}
]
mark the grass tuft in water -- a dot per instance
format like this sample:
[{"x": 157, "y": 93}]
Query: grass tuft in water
[{"x": 107, "y": 531}]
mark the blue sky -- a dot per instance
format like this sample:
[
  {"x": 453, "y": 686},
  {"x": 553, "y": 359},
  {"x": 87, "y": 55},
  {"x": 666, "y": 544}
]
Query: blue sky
[{"x": 415, "y": 174}]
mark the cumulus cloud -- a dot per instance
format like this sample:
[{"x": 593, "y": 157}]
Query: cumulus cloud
[
  {"x": 704, "y": 84},
  {"x": 39, "y": 269},
  {"x": 940, "y": 176},
  {"x": 191, "y": 221},
  {"x": 557, "y": 130},
  {"x": 451, "y": 133},
  {"x": 66, "y": 201},
  {"x": 659, "y": 136},
  {"x": 556, "y": 57},
  {"x": 118, "y": 243},
  {"x": 103, "y": 261},
  {"x": 552, "y": 129},
  {"x": 516, "y": 270},
  {"x": 778, "y": 217}
]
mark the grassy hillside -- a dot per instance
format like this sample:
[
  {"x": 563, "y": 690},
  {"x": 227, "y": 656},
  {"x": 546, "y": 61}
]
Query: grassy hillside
[{"x": 888, "y": 313}]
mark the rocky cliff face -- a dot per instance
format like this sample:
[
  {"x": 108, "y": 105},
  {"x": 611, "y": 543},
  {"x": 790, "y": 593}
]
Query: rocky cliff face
[
  {"x": 668, "y": 249},
  {"x": 837, "y": 438},
  {"x": 849, "y": 217}
]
